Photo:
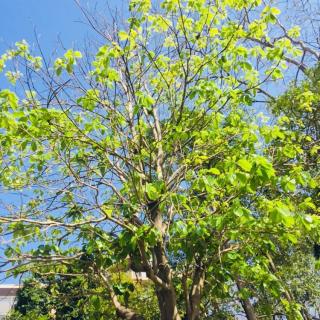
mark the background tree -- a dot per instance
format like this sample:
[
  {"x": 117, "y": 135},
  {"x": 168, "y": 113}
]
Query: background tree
[
  {"x": 73, "y": 296},
  {"x": 297, "y": 110},
  {"x": 153, "y": 152}
]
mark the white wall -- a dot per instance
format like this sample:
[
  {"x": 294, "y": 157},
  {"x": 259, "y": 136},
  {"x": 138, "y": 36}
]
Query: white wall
[{"x": 5, "y": 305}]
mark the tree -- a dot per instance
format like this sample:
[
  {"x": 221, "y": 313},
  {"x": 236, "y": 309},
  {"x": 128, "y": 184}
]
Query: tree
[
  {"x": 153, "y": 152},
  {"x": 44, "y": 299},
  {"x": 297, "y": 111},
  {"x": 74, "y": 296}
]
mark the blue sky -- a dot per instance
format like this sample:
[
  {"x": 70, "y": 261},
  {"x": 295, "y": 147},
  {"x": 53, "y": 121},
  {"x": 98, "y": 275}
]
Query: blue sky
[
  {"x": 20, "y": 18},
  {"x": 52, "y": 20}
]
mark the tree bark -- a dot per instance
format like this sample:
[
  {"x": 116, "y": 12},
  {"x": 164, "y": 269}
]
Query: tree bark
[
  {"x": 166, "y": 293},
  {"x": 121, "y": 311},
  {"x": 127, "y": 314},
  {"x": 167, "y": 304},
  {"x": 248, "y": 309},
  {"x": 246, "y": 304},
  {"x": 167, "y": 299},
  {"x": 196, "y": 292}
]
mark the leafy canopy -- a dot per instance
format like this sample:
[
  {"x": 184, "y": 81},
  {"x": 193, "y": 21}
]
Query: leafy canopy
[{"x": 153, "y": 153}]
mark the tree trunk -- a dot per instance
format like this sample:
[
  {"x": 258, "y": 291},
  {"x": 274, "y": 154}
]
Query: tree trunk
[
  {"x": 246, "y": 304},
  {"x": 167, "y": 304},
  {"x": 248, "y": 309},
  {"x": 166, "y": 295},
  {"x": 196, "y": 292},
  {"x": 127, "y": 314}
]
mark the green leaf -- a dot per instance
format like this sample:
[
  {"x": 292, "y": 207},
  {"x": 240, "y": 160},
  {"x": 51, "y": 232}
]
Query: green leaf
[
  {"x": 123, "y": 35},
  {"x": 275, "y": 11},
  {"x": 245, "y": 165},
  {"x": 214, "y": 171},
  {"x": 152, "y": 191},
  {"x": 292, "y": 238}
]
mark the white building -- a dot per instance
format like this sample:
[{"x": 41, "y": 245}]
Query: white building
[
  {"x": 137, "y": 276},
  {"x": 7, "y": 296}
]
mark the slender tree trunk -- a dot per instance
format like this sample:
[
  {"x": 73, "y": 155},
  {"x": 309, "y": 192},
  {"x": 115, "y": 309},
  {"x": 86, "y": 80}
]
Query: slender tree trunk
[
  {"x": 196, "y": 292},
  {"x": 248, "y": 309},
  {"x": 166, "y": 295},
  {"x": 246, "y": 304},
  {"x": 122, "y": 311},
  {"x": 127, "y": 314}
]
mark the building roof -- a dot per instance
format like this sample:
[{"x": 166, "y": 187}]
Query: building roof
[{"x": 8, "y": 289}]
